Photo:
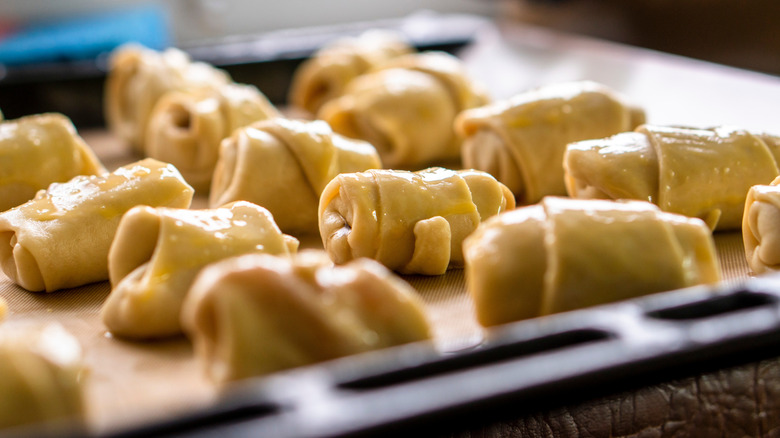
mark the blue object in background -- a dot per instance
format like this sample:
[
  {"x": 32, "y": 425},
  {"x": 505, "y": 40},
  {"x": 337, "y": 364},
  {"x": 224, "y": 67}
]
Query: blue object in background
[{"x": 87, "y": 36}]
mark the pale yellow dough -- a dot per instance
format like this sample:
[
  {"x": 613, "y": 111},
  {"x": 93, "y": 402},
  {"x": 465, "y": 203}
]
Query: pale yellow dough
[
  {"x": 42, "y": 383},
  {"x": 157, "y": 252},
  {"x": 325, "y": 75},
  {"x": 406, "y": 109},
  {"x": 38, "y": 150},
  {"x": 257, "y": 314},
  {"x": 564, "y": 254},
  {"x": 186, "y": 127},
  {"x": 704, "y": 173},
  {"x": 521, "y": 140},
  {"x": 761, "y": 227},
  {"x": 60, "y": 239},
  {"x": 412, "y": 222},
  {"x": 284, "y": 165},
  {"x": 3, "y": 308},
  {"x": 138, "y": 77}
]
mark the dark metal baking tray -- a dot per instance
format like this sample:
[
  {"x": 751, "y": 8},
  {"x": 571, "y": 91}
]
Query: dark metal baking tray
[{"x": 524, "y": 367}]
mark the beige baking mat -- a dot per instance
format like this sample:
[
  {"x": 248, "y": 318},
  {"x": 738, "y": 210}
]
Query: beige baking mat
[{"x": 130, "y": 382}]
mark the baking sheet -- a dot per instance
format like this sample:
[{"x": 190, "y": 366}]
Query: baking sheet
[{"x": 132, "y": 382}]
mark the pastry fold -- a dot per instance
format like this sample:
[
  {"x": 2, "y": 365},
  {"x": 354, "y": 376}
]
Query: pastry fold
[
  {"x": 256, "y": 314},
  {"x": 761, "y": 227},
  {"x": 60, "y": 239},
  {"x": 704, "y": 173},
  {"x": 521, "y": 141},
  {"x": 157, "y": 252},
  {"x": 186, "y": 127},
  {"x": 411, "y": 222},
  {"x": 406, "y": 109},
  {"x": 41, "y": 382},
  {"x": 284, "y": 165},
  {"x": 38, "y": 150},
  {"x": 138, "y": 77},
  {"x": 563, "y": 254},
  {"x": 323, "y": 76}
]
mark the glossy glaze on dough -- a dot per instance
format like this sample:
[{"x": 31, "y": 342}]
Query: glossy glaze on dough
[
  {"x": 521, "y": 140},
  {"x": 324, "y": 76},
  {"x": 42, "y": 380},
  {"x": 158, "y": 252},
  {"x": 412, "y": 222},
  {"x": 186, "y": 127},
  {"x": 704, "y": 173},
  {"x": 565, "y": 254},
  {"x": 38, "y": 150},
  {"x": 406, "y": 109},
  {"x": 256, "y": 314},
  {"x": 60, "y": 239},
  {"x": 284, "y": 165},
  {"x": 138, "y": 77}
]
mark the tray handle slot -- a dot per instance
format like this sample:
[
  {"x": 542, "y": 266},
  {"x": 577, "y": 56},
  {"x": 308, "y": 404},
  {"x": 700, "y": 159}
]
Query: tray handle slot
[
  {"x": 715, "y": 306},
  {"x": 481, "y": 357}
]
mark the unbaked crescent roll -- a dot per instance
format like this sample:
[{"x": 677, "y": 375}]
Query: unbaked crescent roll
[
  {"x": 564, "y": 254},
  {"x": 186, "y": 127},
  {"x": 761, "y": 227},
  {"x": 412, "y": 222},
  {"x": 138, "y": 77},
  {"x": 38, "y": 150},
  {"x": 521, "y": 140},
  {"x": 42, "y": 380},
  {"x": 284, "y": 165},
  {"x": 324, "y": 76},
  {"x": 704, "y": 173},
  {"x": 157, "y": 252},
  {"x": 406, "y": 109},
  {"x": 256, "y": 314},
  {"x": 60, "y": 239}
]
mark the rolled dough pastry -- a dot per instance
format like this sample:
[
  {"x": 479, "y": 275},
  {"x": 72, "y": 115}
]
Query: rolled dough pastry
[
  {"x": 38, "y": 150},
  {"x": 138, "y": 77},
  {"x": 704, "y": 173},
  {"x": 521, "y": 140},
  {"x": 284, "y": 165},
  {"x": 564, "y": 254},
  {"x": 412, "y": 222},
  {"x": 406, "y": 109},
  {"x": 257, "y": 314},
  {"x": 761, "y": 227},
  {"x": 324, "y": 76},
  {"x": 42, "y": 380},
  {"x": 186, "y": 127},
  {"x": 60, "y": 239},
  {"x": 157, "y": 252}
]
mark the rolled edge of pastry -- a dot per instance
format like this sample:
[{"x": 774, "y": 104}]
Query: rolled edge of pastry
[
  {"x": 275, "y": 161},
  {"x": 157, "y": 252},
  {"x": 323, "y": 76},
  {"x": 61, "y": 238},
  {"x": 186, "y": 127},
  {"x": 761, "y": 227},
  {"x": 38, "y": 150},
  {"x": 42, "y": 384},
  {"x": 359, "y": 216},
  {"x": 256, "y": 314},
  {"x": 136, "y": 79},
  {"x": 512, "y": 258},
  {"x": 522, "y": 140}
]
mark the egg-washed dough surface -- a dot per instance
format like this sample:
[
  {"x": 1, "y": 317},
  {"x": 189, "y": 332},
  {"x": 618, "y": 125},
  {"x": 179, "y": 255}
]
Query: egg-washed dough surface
[{"x": 134, "y": 382}]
